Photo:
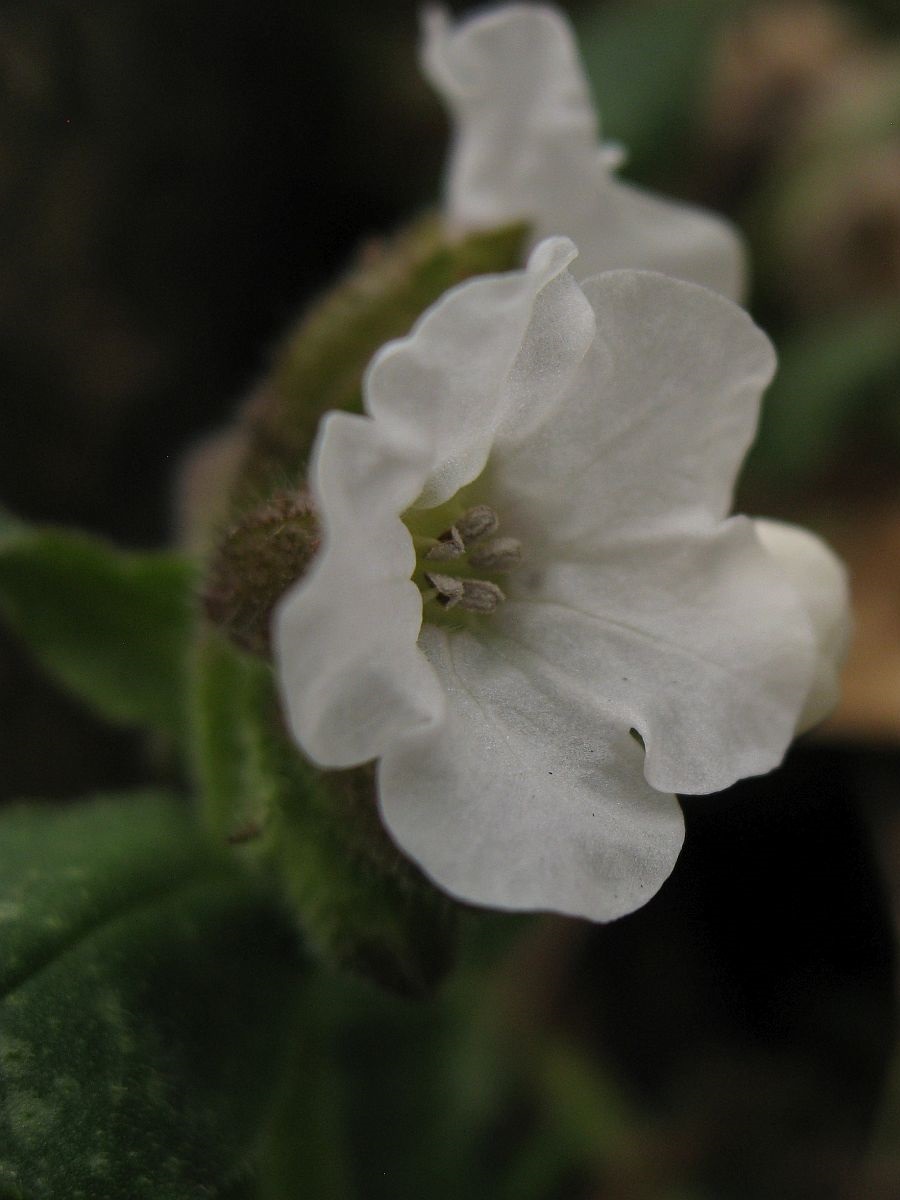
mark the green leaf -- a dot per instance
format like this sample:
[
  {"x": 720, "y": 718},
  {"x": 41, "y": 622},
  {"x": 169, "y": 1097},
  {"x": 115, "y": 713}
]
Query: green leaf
[
  {"x": 142, "y": 1019},
  {"x": 112, "y": 627},
  {"x": 827, "y": 376},
  {"x": 360, "y": 902},
  {"x": 66, "y": 869},
  {"x": 648, "y": 65}
]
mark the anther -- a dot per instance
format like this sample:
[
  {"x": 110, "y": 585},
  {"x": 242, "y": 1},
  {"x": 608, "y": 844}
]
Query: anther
[
  {"x": 449, "y": 545},
  {"x": 449, "y": 589},
  {"x": 479, "y": 596},
  {"x": 499, "y": 554},
  {"x": 477, "y": 522}
]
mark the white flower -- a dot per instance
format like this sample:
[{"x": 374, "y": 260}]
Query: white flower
[
  {"x": 526, "y": 556},
  {"x": 526, "y": 147}
]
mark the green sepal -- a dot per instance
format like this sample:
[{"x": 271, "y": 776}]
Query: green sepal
[
  {"x": 321, "y": 361},
  {"x": 112, "y": 627},
  {"x": 360, "y": 903},
  {"x": 146, "y": 990}
]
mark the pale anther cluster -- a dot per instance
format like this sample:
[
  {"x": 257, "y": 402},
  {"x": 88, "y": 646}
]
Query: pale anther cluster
[{"x": 468, "y": 544}]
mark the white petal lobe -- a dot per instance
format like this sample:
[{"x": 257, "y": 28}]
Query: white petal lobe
[
  {"x": 698, "y": 642},
  {"x": 820, "y": 579},
  {"x": 629, "y": 227},
  {"x": 495, "y": 351},
  {"x": 525, "y": 147},
  {"x": 526, "y": 132},
  {"x": 655, "y": 423},
  {"x": 526, "y": 798},
  {"x": 351, "y": 675}
]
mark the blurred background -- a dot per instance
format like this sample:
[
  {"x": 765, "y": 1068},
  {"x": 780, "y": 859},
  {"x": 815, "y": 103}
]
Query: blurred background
[{"x": 176, "y": 181}]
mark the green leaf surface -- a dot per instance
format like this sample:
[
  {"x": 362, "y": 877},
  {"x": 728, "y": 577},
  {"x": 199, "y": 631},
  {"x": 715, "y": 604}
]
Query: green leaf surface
[
  {"x": 66, "y": 869},
  {"x": 361, "y": 903},
  {"x": 112, "y": 627},
  {"x": 143, "y": 1012}
]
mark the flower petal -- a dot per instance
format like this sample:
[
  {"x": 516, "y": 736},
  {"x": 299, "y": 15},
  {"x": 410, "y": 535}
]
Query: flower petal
[
  {"x": 494, "y": 351},
  {"x": 526, "y": 131},
  {"x": 525, "y": 147},
  {"x": 351, "y": 676},
  {"x": 526, "y": 798},
  {"x": 821, "y": 582},
  {"x": 698, "y": 641},
  {"x": 629, "y": 227},
  {"x": 655, "y": 423}
]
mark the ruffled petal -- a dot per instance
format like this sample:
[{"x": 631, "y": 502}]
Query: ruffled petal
[
  {"x": 351, "y": 676},
  {"x": 525, "y": 128},
  {"x": 527, "y": 797},
  {"x": 655, "y": 423},
  {"x": 525, "y": 148},
  {"x": 629, "y": 227},
  {"x": 698, "y": 642},
  {"x": 821, "y": 582},
  {"x": 493, "y": 352}
]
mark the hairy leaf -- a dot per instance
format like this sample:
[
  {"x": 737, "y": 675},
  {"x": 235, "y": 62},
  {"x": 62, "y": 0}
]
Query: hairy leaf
[
  {"x": 144, "y": 990},
  {"x": 112, "y": 627}
]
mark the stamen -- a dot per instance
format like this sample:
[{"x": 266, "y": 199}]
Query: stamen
[
  {"x": 478, "y": 522},
  {"x": 499, "y": 554},
  {"x": 449, "y": 545},
  {"x": 454, "y": 548},
  {"x": 449, "y": 589},
  {"x": 479, "y": 596}
]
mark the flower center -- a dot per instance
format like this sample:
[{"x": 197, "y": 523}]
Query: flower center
[{"x": 455, "y": 566}]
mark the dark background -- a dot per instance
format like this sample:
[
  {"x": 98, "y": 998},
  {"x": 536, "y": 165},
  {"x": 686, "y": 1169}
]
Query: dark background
[{"x": 176, "y": 181}]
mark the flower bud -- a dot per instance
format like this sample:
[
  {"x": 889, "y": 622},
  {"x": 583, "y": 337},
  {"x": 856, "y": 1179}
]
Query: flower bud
[{"x": 256, "y": 562}]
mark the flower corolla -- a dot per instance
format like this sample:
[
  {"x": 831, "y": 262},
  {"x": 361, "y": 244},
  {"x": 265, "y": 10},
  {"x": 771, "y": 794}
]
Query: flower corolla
[
  {"x": 526, "y": 148},
  {"x": 531, "y": 604}
]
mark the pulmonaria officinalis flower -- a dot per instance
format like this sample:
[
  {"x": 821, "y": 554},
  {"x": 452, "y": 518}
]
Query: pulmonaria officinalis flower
[
  {"x": 527, "y": 558},
  {"x": 526, "y": 147}
]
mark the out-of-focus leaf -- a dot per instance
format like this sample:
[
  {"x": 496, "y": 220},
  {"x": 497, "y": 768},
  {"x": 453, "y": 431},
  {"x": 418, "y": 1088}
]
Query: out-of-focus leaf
[
  {"x": 359, "y": 901},
  {"x": 648, "y": 63},
  {"x": 68, "y": 869},
  {"x": 112, "y": 627},
  {"x": 827, "y": 375},
  {"x": 142, "y": 1018},
  {"x": 500, "y": 1105},
  {"x": 304, "y": 1149}
]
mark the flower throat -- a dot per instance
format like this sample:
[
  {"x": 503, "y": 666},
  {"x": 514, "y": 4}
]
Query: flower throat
[{"x": 454, "y": 566}]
